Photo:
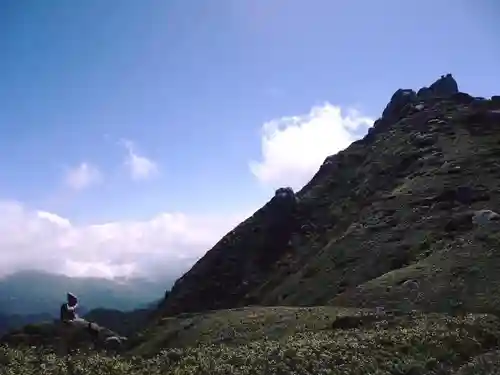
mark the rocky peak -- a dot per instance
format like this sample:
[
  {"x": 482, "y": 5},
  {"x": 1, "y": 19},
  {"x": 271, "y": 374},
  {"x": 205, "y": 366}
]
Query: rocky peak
[
  {"x": 444, "y": 87},
  {"x": 284, "y": 199},
  {"x": 374, "y": 209},
  {"x": 404, "y": 101}
]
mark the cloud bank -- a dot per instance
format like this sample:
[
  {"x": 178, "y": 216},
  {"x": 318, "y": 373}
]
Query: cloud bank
[{"x": 168, "y": 242}]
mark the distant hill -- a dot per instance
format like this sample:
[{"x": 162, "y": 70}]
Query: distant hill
[
  {"x": 31, "y": 296},
  {"x": 9, "y": 322}
]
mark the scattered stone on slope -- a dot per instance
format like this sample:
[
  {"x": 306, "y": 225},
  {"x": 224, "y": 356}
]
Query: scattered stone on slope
[
  {"x": 423, "y": 140},
  {"x": 463, "y": 195},
  {"x": 484, "y": 217}
]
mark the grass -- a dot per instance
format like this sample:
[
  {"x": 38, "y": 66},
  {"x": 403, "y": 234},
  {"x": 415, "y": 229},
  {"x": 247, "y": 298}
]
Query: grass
[{"x": 286, "y": 340}]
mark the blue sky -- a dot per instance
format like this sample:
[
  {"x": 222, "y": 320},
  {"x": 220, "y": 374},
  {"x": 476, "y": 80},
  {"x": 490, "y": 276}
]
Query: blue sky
[{"x": 182, "y": 90}]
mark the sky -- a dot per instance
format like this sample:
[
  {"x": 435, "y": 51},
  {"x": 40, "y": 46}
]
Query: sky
[{"x": 135, "y": 134}]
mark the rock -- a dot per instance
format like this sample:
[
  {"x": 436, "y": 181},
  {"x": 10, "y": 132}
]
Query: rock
[
  {"x": 417, "y": 182},
  {"x": 436, "y": 121},
  {"x": 285, "y": 195},
  {"x": 329, "y": 160},
  {"x": 482, "y": 121},
  {"x": 113, "y": 343},
  {"x": 462, "y": 195},
  {"x": 419, "y": 107},
  {"x": 422, "y": 140},
  {"x": 462, "y": 98},
  {"x": 283, "y": 202},
  {"x": 349, "y": 322},
  {"x": 484, "y": 217},
  {"x": 411, "y": 284},
  {"x": 424, "y": 93},
  {"x": 479, "y": 103},
  {"x": 460, "y": 222},
  {"x": 380, "y": 310},
  {"x": 445, "y": 86},
  {"x": 399, "y": 100}
]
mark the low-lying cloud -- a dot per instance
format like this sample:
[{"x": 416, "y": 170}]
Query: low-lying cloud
[{"x": 166, "y": 245}]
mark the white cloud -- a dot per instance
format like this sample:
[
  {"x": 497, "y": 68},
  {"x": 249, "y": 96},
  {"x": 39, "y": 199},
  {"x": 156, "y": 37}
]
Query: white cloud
[
  {"x": 140, "y": 167},
  {"x": 167, "y": 244},
  {"x": 293, "y": 148},
  {"x": 82, "y": 176}
]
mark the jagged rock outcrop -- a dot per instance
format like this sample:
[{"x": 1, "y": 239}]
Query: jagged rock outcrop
[
  {"x": 397, "y": 205},
  {"x": 444, "y": 87},
  {"x": 406, "y": 101},
  {"x": 400, "y": 101}
]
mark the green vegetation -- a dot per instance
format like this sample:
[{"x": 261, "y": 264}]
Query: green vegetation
[{"x": 288, "y": 341}]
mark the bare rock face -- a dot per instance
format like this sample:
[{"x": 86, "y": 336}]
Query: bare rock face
[
  {"x": 284, "y": 198},
  {"x": 444, "y": 87},
  {"x": 424, "y": 93},
  {"x": 398, "y": 103}
]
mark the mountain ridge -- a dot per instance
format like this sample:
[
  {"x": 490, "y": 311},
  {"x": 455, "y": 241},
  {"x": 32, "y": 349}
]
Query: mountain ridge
[{"x": 351, "y": 223}]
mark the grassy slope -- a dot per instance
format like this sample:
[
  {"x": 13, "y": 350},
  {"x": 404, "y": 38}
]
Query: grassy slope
[{"x": 286, "y": 340}]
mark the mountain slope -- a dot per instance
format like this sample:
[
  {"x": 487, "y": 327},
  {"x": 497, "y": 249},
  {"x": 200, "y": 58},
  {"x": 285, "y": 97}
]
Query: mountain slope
[
  {"x": 315, "y": 340},
  {"x": 394, "y": 206}
]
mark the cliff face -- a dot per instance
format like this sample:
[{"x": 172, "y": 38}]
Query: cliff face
[{"x": 393, "y": 216}]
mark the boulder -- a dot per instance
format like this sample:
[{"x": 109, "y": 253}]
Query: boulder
[
  {"x": 424, "y": 93},
  {"x": 411, "y": 284},
  {"x": 445, "y": 86},
  {"x": 113, "y": 343},
  {"x": 399, "y": 101},
  {"x": 462, "y": 98},
  {"x": 485, "y": 217},
  {"x": 284, "y": 200}
]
